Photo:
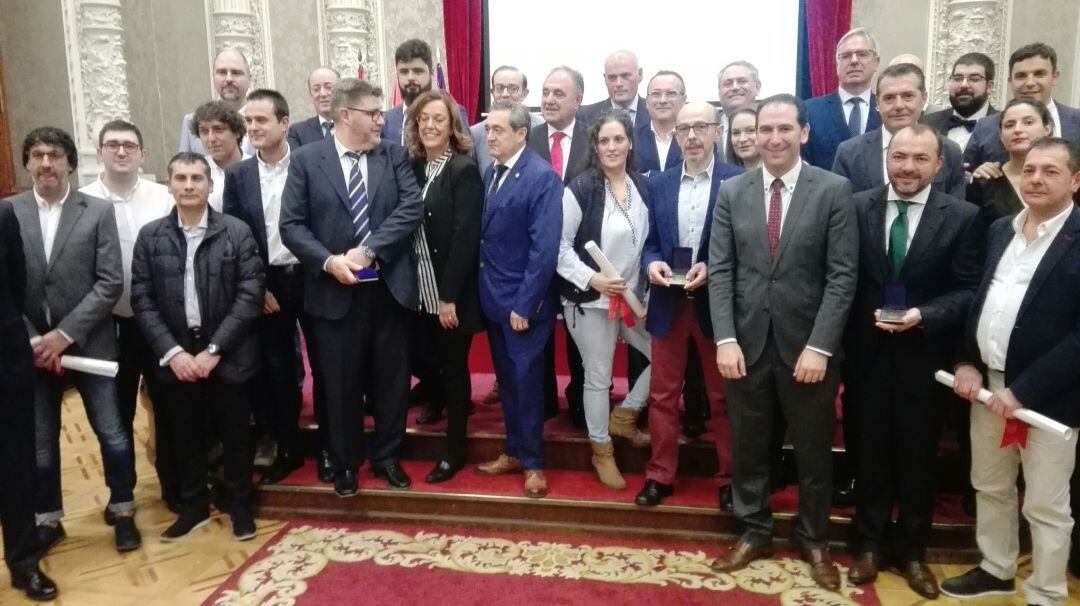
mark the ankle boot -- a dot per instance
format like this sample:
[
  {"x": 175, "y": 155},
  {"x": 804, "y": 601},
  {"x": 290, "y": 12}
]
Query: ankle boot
[
  {"x": 603, "y": 460},
  {"x": 623, "y": 423}
]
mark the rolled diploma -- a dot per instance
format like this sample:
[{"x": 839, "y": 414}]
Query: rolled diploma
[
  {"x": 93, "y": 366},
  {"x": 1028, "y": 416},
  {"x": 608, "y": 270}
]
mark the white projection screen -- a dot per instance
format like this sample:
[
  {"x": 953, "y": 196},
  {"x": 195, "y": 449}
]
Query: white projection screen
[{"x": 693, "y": 37}]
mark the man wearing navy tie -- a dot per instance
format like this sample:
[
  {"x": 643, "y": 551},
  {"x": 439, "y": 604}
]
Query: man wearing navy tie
[
  {"x": 519, "y": 249},
  {"x": 320, "y": 84}
]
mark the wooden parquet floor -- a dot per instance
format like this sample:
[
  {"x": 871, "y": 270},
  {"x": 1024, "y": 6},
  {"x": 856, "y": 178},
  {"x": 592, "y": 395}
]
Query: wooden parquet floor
[{"x": 90, "y": 572}]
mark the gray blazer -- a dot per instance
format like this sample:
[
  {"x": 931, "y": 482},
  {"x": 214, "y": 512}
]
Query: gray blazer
[
  {"x": 479, "y": 139},
  {"x": 83, "y": 278},
  {"x": 806, "y": 293}
]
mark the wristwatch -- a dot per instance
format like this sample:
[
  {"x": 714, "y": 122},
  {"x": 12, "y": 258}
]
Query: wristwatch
[
  {"x": 213, "y": 349},
  {"x": 367, "y": 252}
]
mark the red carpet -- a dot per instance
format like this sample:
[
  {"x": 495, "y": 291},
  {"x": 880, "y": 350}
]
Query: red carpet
[{"x": 318, "y": 563}]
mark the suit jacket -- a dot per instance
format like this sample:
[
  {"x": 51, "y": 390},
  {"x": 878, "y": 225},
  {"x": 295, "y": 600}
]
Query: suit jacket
[
  {"x": 860, "y": 160},
  {"x": 16, "y": 357},
  {"x": 646, "y": 154},
  {"x": 316, "y": 223},
  {"x": 578, "y": 153},
  {"x": 242, "y": 199},
  {"x": 395, "y": 118},
  {"x": 663, "y": 239},
  {"x": 478, "y": 132},
  {"x": 304, "y": 132},
  {"x": 985, "y": 145},
  {"x": 939, "y": 120},
  {"x": 83, "y": 278},
  {"x": 519, "y": 241},
  {"x": 804, "y": 295},
  {"x": 587, "y": 114},
  {"x": 828, "y": 128},
  {"x": 1044, "y": 348},
  {"x": 941, "y": 271},
  {"x": 453, "y": 211}
]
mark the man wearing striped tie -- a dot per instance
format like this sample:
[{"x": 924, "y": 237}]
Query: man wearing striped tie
[{"x": 348, "y": 212}]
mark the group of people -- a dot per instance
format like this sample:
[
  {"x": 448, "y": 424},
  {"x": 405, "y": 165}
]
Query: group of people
[{"x": 780, "y": 247}]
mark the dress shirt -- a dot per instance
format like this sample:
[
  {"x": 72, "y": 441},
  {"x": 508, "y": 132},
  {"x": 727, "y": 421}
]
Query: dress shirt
[
  {"x": 886, "y": 138},
  {"x": 790, "y": 178},
  {"x": 1057, "y": 117},
  {"x": 916, "y": 205},
  {"x": 619, "y": 243},
  {"x": 566, "y": 142},
  {"x": 1012, "y": 276},
  {"x": 346, "y": 170},
  {"x": 49, "y": 218},
  {"x": 631, "y": 110},
  {"x": 271, "y": 184},
  {"x": 510, "y": 166},
  {"x": 194, "y": 237},
  {"x": 217, "y": 175},
  {"x": 865, "y": 107},
  {"x": 663, "y": 145},
  {"x": 724, "y": 122},
  {"x": 961, "y": 135},
  {"x": 145, "y": 202},
  {"x": 694, "y": 193}
]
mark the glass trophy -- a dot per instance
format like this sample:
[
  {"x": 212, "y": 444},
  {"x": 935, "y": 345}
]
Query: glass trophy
[
  {"x": 894, "y": 306},
  {"x": 682, "y": 259}
]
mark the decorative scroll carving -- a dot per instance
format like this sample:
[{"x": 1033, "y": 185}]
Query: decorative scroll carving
[
  {"x": 351, "y": 28},
  {"x": 241, "y": 24},
  {"x": 963, "y": 26}
]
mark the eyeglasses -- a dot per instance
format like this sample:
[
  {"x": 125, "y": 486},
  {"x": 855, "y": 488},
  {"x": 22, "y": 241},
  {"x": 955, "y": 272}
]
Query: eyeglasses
[
  {"x": 513, "y": 89},
  {"x": 438, "y": 119},
  {"x": 114, "y": 146},
  {"x": 374, "y": 114},
  {"x": 657, "y": 95},
  {"x": 700, "y": 128},
  {"x": 972, "y": 79},
  {"x": 862, "y": 55}
]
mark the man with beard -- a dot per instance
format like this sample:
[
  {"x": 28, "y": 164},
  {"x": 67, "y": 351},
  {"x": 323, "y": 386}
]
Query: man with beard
[
  {"x": 320, "y": 84},
  {"x": 622, "y": 76},
  {"x": 232, "y": 77},
  {"x": 970, "y": 84},
  {"x": 738, "y": 85},
  {"x": 414, "y": 68}
]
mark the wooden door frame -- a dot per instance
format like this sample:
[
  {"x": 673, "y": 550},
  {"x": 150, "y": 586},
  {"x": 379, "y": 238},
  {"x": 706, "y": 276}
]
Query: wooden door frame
[{"x": 7, "y": 161}]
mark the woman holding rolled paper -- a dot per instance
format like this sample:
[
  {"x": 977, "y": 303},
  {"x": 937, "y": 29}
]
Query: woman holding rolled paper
[{"x": 607, "y": 205}]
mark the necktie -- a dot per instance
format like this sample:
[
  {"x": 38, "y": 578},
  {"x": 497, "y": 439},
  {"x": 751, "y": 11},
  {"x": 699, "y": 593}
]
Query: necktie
[
  {"x": 500, "y": 170},
  {"x": 557, "y": 152},
  {"x": 775, "y": 210},
  {"x": 358, "y": 201},
  {"x": 327, "y": 129},
  {"x": 854, "y": 121},
  {"x": 955, "y": 121},
  {"x": 898, "y": 238}
]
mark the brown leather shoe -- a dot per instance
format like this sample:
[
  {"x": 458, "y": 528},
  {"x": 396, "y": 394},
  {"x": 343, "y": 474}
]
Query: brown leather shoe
[
  {"x": 921, "y": 580},
  {"x": 535, "y": 484},
  {"x": 865, "y": 568},
  {"x": 741, "y": 554},
  {"x": 822, "y": 569},
  {"x": 501, "y": 466}
]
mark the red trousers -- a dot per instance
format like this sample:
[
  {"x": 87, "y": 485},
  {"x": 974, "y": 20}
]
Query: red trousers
[{"x": 668, "y": 373}]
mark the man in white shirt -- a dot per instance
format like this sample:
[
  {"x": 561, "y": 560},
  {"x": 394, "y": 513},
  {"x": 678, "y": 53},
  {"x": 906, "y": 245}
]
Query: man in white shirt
[
  {"x": 222, "y": 131},
  {"x": 657, "y": 150},
  {"x": 738, "y": 85},
  {"x": 1022, "y": 337}
]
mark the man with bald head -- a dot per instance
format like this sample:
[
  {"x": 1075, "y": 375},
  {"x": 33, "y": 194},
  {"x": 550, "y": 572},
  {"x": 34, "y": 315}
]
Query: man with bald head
[
  {"x": 738, "y": 85},
  {"x": 320, "y": 84},
  {"x": 232, "y": 78},
  {"x": 622, "y": 76}
]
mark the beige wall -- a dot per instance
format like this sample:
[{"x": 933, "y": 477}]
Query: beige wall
[{"x": 294, "y": 30}]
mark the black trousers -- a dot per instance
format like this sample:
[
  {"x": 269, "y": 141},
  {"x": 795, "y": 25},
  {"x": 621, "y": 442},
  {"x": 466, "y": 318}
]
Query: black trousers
[
  {"x": 575, "y": 390},
  {"x": 451, "y": 378},
  {"x": 280, "y": 393},
  {"x": 365, "y": 352},
  {"x": 17, "y": 451}
]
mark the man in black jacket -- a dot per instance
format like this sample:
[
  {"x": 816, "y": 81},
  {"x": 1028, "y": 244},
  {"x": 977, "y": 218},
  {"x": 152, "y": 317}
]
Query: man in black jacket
[{"x": 197, "y": 290}]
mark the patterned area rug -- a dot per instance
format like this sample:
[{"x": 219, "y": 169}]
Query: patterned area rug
[{"x": 319, "y": 563}]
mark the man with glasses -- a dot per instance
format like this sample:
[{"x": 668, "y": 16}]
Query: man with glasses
[
  {"x": 852, "y": 109},
  {"x": 508, "y": 83},
  {"x": 657, "y": 149},
  {"x": 622, "y": 76},
  {"x": 348, "y": 212},
  {"x": 970, "y": 84},
  {"x": 738, "y": 84}
]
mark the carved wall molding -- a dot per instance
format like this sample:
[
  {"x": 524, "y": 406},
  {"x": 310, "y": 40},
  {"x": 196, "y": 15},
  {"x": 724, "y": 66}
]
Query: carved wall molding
[
  {"x": 241, "y": 24},
  {"x": 348, "y": 28},
  {"x": 97, "y": 73},
  {"x": 962, "y": 26}
]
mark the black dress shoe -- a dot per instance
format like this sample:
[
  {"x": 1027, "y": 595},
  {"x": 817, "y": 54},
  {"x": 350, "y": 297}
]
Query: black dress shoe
[
  {"x": 325, "y": 467},
  {"x": 48, "y": 536},
  {"x": 443, "y": 471},
  {"x": 429, "y": 415},
  {"x": 35, "y": 584},
  {"x": 726, "y": 500},
  {"x": 844, "y": 494},
  {"x": 694, "y": 429},
  {"x": 109, "y": 516},
  {"x": 653, "y": 493},
  {"x": 127, "y": 535},
  {"x": 280, "y": 469},
  {"x": 184, "y": 525},
  {"x": 346, "y": 483},
  {"x": 394, "y": 475}
]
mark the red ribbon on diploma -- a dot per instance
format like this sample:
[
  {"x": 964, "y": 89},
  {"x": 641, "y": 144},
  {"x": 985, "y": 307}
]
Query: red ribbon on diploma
[
  {"x": 1016, "y": 432},
  {"x": 617, "y": 308}
]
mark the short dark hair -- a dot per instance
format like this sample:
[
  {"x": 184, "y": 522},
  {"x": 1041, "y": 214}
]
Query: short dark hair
[
  {"x": 619, "y": 116},
  {"x": 787, "y": 99},
  {"x": 281, "y": 106},
  {"x": 919, "y": 130},
  {"x": 348, "y": 91},
  {"x": 413, "y": 48},
  {"x": 1039, "y": 107},
  {"x": 667, "y": 72},
  {"x": 189, "y": 158},
  {"x": 220, "y": 111},
  {"x": 119, "y": 126},
  {"x": 976, "y": 59},
  {"x": 1035, "y": 49},
  {"x": 510, "y": 68},
  {"x": 1059, "y": 143},
  {"x": 900, "y": 70},
  {"x": 55, "y": 137}
]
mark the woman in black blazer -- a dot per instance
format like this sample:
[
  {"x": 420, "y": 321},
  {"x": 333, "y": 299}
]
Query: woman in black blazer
[{"x": 447, "y": 249}]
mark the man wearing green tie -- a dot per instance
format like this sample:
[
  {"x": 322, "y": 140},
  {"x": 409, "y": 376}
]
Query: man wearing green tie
[{"x": 918, "y": 269}]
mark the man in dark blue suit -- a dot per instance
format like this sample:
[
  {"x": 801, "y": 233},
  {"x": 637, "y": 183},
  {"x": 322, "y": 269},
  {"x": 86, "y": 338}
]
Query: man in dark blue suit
[
  {"x": 852, "y": 109},
  {"x": 320, "y": 83},
  {"x": 414, "y": 68},
  {"x": 348, "y": 212},
  {"x": 656, "y": 147},
  {"x": 1022, "y": 335},
  {"x": 1033, "y": 74},
  {"x": 680, "y": 218},
  {"x": 519, "y": 248},
  {"x": 622, "y": 76},
  {"x": 901, "y": 96}
]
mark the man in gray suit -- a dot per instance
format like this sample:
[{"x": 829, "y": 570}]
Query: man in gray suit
[
  {"x": 74, "y": 278},
  {"x": 783, "y": 259},
  {"x": 507, "y": 84}
]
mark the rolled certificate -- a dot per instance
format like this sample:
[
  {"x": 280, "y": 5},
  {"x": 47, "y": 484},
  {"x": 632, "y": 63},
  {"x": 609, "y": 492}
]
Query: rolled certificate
[
  {"x": 1028, "y": 416},
  {"x": 608, "y": 270},
  {"x": 93, "y": 366}
]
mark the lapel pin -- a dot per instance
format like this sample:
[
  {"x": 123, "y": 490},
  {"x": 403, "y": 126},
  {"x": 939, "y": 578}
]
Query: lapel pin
[{"x": 517, "y": 175}]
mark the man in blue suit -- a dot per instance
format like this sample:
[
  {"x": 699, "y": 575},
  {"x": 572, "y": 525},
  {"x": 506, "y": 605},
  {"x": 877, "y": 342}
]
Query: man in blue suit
[
  {"x": 680, "y": 217},
  {"x": 348, "y": 212},
  {"x": 414, "y": 67},
  {"x": 519, "y": 248},
  {"x": 852, "y": 109},
  {"x": 320, "y": 83},
  {"x": 622, "y": 76},
  {"x": 1033, "y": 74},
  {"x": 657, "y": 150}
]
